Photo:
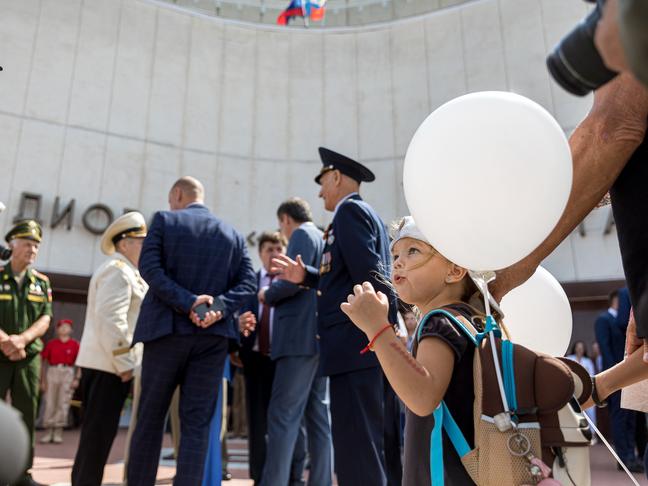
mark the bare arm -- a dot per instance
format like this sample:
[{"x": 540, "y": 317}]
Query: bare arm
[
  {"x": 628, "y": 372},
  {"x": 420, "y": 383},
  {"x": 419, "y": 389},
  {"x": 601, "y": 146}
]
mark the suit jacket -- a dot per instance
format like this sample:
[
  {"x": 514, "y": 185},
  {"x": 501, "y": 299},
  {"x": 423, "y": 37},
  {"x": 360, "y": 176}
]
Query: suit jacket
[
  {"x": 356, "y": 250},
  {"x": 294, "y": 330},
  {"x": 611, "y": 339},
  {"x": 251, "y": 303},
  {"x": 187, "y": 253},
  {"x": 114, "y": 299}
]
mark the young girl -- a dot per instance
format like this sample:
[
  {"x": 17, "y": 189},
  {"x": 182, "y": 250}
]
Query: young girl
[{"x": 440, "y": 366}]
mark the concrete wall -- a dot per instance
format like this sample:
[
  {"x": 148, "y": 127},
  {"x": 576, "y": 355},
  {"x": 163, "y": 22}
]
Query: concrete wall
[
  {"x": 338, "y": 12},
  {"x": 110, "y": 101}
]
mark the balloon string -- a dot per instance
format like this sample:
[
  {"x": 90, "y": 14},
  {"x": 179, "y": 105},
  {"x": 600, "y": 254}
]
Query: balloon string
[
  {"x": 632, "y": 478},
  {"x": 483, "y": 284}
]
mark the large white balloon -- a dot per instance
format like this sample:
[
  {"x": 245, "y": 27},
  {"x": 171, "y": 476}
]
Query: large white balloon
[
  {"x": 487, "y": 176},
  {"x": 537, "y": 314},
  {"x": 14, "y": 444}
]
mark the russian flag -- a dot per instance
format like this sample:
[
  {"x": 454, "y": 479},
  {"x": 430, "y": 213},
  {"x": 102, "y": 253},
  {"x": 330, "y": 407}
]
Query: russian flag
[{"x": 309, "y": 9}]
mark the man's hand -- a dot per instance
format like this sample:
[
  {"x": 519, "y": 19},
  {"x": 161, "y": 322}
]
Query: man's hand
[
  {"x": 13, "y": 345},
  {"x": 236, "y": 360},
  {"x": 126, "y": 376},
  {"x": 608, "y": 40},
  {"x": 210, "y": 317},
  {"x": 247, "y": 323},
  {"x": 288, "y": 269},
  {"x": 18, "y": 355},
  {"x": 261, "y": 295},
  {"x": 75, "y": 384},
  {"x": 43, "y": 386},
  {"x": 634, "y": 342}
]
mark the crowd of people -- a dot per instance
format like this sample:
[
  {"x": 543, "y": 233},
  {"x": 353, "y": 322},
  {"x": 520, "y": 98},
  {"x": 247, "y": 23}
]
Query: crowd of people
[{"x": 315, "y": 328}]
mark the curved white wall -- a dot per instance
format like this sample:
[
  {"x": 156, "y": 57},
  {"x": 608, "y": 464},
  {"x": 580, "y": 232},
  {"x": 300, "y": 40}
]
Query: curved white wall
[{"x": 110, "y": 101}]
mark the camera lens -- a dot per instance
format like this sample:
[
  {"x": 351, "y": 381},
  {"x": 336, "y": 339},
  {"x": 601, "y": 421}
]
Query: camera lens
[{"x": 575, "y": 63}]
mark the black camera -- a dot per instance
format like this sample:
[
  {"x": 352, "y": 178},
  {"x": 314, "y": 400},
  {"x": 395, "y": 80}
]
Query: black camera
[
  {"x": 575, "y": 63},
  {"x": 5, "y": 253}
]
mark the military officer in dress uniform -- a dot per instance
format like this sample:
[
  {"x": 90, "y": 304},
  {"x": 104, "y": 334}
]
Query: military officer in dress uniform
[
  {"x": 106, "y": 358},
  {"x": 25, "y": 315},
  {"x": 364, "y": 409}
]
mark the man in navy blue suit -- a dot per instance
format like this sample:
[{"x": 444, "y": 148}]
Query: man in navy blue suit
[
  {"x": 189, "y": 257},
  {"x": 610, "y": 327},
  {"x": 256, "y": 323},
  {"x": 297, "y": 390},
  {"x": 364, "y": 409}
]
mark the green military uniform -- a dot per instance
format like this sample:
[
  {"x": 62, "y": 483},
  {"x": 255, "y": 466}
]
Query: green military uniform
[{"x": 21, "y": 306}]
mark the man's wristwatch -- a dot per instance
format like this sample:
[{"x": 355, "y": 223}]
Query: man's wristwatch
[{"x": 595, "y": 396}]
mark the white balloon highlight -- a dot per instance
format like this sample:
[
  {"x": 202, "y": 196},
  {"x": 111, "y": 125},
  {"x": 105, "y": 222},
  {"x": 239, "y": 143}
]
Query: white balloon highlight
[
  {"x": 486, "y": 177},
  {"x": 537, "y": 314}
]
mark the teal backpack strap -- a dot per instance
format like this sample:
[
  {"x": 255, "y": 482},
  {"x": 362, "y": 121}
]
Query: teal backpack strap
[
  {"x": 508, "y": 374},
  {"x": 471, "y": 335},
  {"x": 443, "y": 420},
  {"x": 436, "y": 449}
]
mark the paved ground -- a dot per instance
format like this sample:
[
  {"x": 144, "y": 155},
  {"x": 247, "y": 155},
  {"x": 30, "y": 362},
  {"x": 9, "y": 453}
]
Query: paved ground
[{"x": 53, "y": 464}]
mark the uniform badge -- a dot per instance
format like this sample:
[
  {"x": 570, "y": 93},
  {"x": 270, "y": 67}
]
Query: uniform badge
[
  {"x": 330, "y": 238},
  {"x": 325, "y": 265}
]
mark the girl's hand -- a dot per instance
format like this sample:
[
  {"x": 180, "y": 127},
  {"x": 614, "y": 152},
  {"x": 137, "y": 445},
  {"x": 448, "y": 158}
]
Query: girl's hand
[{"x": 367, "y": 309}]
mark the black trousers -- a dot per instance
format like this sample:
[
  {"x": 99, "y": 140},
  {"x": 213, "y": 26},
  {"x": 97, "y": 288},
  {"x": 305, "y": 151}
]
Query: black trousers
[
  {"x": 258, "y": 371},
  {"x": 363, "y": 415},
  {"x": 630, "y": 205},
  {"x": 103, "y": 395}
]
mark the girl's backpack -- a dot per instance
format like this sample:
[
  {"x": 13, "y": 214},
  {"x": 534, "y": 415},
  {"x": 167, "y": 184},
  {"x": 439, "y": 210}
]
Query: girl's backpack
[{"x": 529, "y": 427}]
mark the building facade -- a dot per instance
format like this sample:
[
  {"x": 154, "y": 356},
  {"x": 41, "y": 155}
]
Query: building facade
[{"x": 105, "y": 103}]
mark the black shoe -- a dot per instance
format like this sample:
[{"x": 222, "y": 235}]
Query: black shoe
[
  {"x": 169, "y": 457},
  {"x": 226, "y": 475}
]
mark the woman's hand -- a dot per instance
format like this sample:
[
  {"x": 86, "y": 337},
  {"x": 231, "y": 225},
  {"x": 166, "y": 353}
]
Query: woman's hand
[{"x": 367, "y": 309}]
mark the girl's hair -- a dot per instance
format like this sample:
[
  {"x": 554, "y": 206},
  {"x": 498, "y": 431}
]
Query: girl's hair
[
  {"x": 471, "y": 295},
  {"x": 573, "y": 348}
]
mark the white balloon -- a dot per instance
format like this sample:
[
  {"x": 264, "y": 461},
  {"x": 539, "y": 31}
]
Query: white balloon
[
  {"x": 486, "y": 177},
  {"x": 14, "y": 444},
  {"x": 537, "y": 314}
]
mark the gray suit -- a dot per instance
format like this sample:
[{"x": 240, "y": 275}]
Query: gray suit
[{"x": 298, "y": 394}]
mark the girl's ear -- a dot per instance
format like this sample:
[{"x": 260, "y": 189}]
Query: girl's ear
[{"x": 455, "y": 273}]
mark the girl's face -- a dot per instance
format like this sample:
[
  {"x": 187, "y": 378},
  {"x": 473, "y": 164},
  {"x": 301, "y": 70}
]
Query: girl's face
[
  {"x": 418, "y": 271},
  {"x": 580, "y": 349}
]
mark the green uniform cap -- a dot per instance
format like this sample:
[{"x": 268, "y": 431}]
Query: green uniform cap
[{"x": 27, "y": 229}]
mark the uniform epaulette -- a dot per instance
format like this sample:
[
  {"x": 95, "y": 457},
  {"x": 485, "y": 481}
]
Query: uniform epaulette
[
  {"x": 42, "y": 276},
  {"x": 119, "y": 264}
]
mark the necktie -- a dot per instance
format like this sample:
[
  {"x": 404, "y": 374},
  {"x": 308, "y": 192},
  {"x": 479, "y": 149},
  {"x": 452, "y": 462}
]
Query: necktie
[{"x": 264, "y": 327}]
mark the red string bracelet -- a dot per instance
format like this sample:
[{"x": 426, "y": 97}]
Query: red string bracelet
[{"x": 369, "y": 347}]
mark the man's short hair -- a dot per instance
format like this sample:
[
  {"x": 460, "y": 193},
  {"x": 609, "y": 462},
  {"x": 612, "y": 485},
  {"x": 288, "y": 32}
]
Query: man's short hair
[
  {"x": 298, "y": 209},
  {"x": 190, "y": 186},
  {"x": 613, "y": 295},
  {"x": 273, "y": 237}
]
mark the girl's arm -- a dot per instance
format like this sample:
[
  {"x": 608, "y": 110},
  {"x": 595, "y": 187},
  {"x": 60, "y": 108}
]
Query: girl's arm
[
  {"x": 420, "y": 383},
  {"x": 628, "y": 372}
]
